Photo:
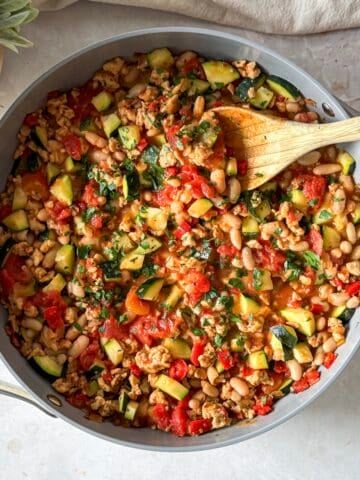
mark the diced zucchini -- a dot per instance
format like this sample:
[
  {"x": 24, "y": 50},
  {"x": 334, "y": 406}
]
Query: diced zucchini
[
  {"x": 124, "y": 399},
  {"x": 178, "y": 347},
  {"x": 250, "y": 227},
  {"x": 323, "y": 215},
  {"x": 262, "y": 99},
  {"x": 148, "y": 245},
  {"x": 285, "y": 334},
  {"x": 265, "y": 282},
  {"x": 48, "y": 365},
  {"x": 114, "y": 351},
  {"x": 347, "y": 162},
  {"x": 299, "y": 200},
  {"x": 95, "y": 370},
  {"x": 92, "y": 388},
  {"x": 132, "y": 261},
  {"x": 129, "y": 136},
  {"x": 303, "y": 320},
  {"x": 52, "y": 171},
  {"x": 231, "y": 167},
  {"x": 150, "y": 289},
  {"x": 236, "y": 341},
  {"x": 57, "y": 283},
  {"x": 88, "y": 125},
  {"x": 156, "y": 219},
  {"x": 39, "y": 136},
  {"x": 160, "y": 58},
  {"x": 200, "y": 207},
  {"x": 302, "y": 353},
  {"x": 5, "y": 249},
  {"x": 102, "y": 101},
  {"x": 173, "y": 297},
  {"x": 131, "y": 409},
  {"x": 269, "y": 187},
  {"x": 62, "y": 189},
  {"x": 111, "y": 271},
  {"x": 65, "y": 259},
  {"x": 131, "y": 185},
  {"x": 110, "y": 123},
  {"x": 263, "y": 210},
  {"x": 257, "y": 360},
  {"x": 343, "y": 313},
  {"x": 356, "y": 215},
  {"x": 158, "y": 140},
  {"x": 219, "y": 366},
  {"x": 71, "y": 166},
  {"x": 121, "y": 241},
  {"x": 331, "y": 238},
  {"x": 16, "y": 221},
  {"x": 245, "y": 305},
  {"x": 340, "y": 221},
  {"x": 283, "y": 87},
  {"x": 171, "y": 387},
  {"x": 219, "y": 74},
  {"x": 242, "y": 90},
  {"x": 21, "y": 290},
  {"x": 19, "y": 199},
  {"x": 197, "y": 87},
  {"x": 285, "y": 386}
]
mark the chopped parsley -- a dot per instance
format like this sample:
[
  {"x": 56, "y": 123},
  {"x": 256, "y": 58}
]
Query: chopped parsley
[
  {"x": 257, "y": 278},
  {"x": 88, "y": 214},
  {"x": 293, "y": 265},
  {"x": 313, "y": 202},
  {"x": 83, "y": 251},
  {"x": 312, "y": 259},
  {"x": 104, "y": 313},
  {"x": 227, "y": 301},
  {"x": 218, "y": 340},
  {"x": 236, "y": 283},
  {"x": 198, "y": 332},
  {"x": 211, "y": 295},
  {"x": 324, "y": 215}
]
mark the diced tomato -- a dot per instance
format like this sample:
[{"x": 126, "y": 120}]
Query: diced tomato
[
  {"x": 186, "y": 112},
  {"x": 107, "y": 377},
  {"x": 226, "y": 359},
  {"x": 300, "y": 385},
  {"x": 270, "y": 258},
  {"x": 54, "y": 317},
  {"x": 135, "y": 305},
  {"x": 329, "y": 359},
  {"x": 112, "y": 329},
  {"x": 197, "y": 427},
  {"x": 173, "y": 138},
  {"x": 316, "y": 241},
  {"x": 217, "y": 103},
  {"x": 97, "y": 221},
  {"x": 31, "y": 120},
  {"x": 88, "y": 356},
  {"x": 242, "y": 167},
  {"x": 277, "y": 380},
  {"x": 60, "y": 212},
  {"x": 184, "y": 403},
  {"x": 150, "y": 327},
  {"x": 135, "y": 370},
  {"x": 7, "y": 283},
  {"x": 178, "y": 369},
  {"x": 280, "y": 367},
  {"x": 353, "y": 288},
  {"x": 179, "y": 420},
  {"x": 5, "y": 210},
  {"x": 78, "y": 400},
  {"x": 216, "y": 159},
  {"x": 35, "y": 182},
  {"x": 261, "y": 409},
  {"x": 48, "y": 299},
  {"x": 90, "y": 195},
  {"x": 198, "y": 283},
  {"x": 161, "y": 415},
  {"x": 17, "y": 269},
  {"x": 72, "y": 146},
  {"x": 183, "y": 228},
  {"x": 227, "y": 250},
  {"x": 165, "y": 196},
  {"x": 312, "y": 376},
  {"x": 193, "y": 65},
  {"x": 142, "y": 144},
  {"x": 81, "y": 103},
  {"x": 246, "y": 371},
  {"x": 314, "y": 189},
  {"x": 317, "y": 308},
  {"x": 197, "y": 350}
]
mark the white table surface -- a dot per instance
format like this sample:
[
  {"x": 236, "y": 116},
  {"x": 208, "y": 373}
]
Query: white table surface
[{"x": 320, "y": 443}]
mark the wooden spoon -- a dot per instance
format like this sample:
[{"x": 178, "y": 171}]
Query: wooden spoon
[{"x": 270, "y": 144}]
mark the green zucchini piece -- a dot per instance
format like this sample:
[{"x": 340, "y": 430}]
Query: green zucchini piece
[
  {"x": 301, "y": 319},
  {"x": 114, "y": 351},
  {"x": 131, "y": 409},
  {"x": 150, "y": 289},
  {"x": 57, "y": 283},
  {"x": 178, "y": 347},
  {"x": 124, "y": 399},
  {"x": 132, "y": 261},
  {"x": 27, "y": 290},
  {"x": 231, "y": 167},
  {"x": 219, "y": 74},
  {"x": 62, "y": 189},
  {"x": 263, "y": 282},
  {"x": 250, "y": 227},
  {"x": 16, "y": 221},
  {"x": 110, "y": 123},
  {"x": 5, "y": 249},
  {"x": 131, "y": 185},
  {"x": 323, "y": 215},
  {"x": 158, "y": 140},
  {"x": 95, "y": 370},
  {"x": 298, "y": 198},
  {"x": 171, "y": 387},
  {"x": 87, "y": 125},
  {"x": 129, "y": 136},
  {"x": 285, "y": 334},
  {"x": 200, "y": 207},
  {"x": 243, "y": 88},
  {"x": 148, "y": 245},
  {"x": 102, "y": 101},
  {"x": 19, "y": 199},
  {"x": 245, "y": 305},
  {"x": 302, "y": 353},
  {"x": 331, "y": 238},
  {"x": 257, "y": 360},
  {"x": 39, "y": 136},
  {"x": 111, "y": 271},
  {"x": 71, "y": 166},
  {"x": 160, "y": 58},
  {"x": 237, "y": 341},
  {"x": 173, "y": 297},
  {"x": 262, "y": 99},
  {"x": 347, "y": 162},
  {"x": 65, "y": 259},
  {"x": 197, "y": 87},
  {"x": 32, "y": 162},
  {"x": 52, "y": 171},
  {"x": 92, "y": 388},
  {"x": 121, "y": 241},
  {"x": 48, "y": 365},
  {"x": 285, "y": 386},
  {"x": 269, "y": 187},
  {"x": 342, "y": 313},
  {"x": 356, "y": 215},
  {"x": 263, "y": 210},
  {"x": 283, "y": 87},
  {"x": 156, "y": 218}
]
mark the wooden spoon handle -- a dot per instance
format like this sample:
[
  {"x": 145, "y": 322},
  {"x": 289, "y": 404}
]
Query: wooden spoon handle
[{"x": 337, "y": 132}]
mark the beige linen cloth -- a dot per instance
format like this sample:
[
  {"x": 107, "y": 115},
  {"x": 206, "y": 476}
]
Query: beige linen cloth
[{"x": 289, "y": 17}]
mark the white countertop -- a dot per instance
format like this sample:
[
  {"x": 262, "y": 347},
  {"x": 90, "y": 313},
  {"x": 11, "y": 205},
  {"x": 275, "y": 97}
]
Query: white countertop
[{"x": 320, "y": 443}]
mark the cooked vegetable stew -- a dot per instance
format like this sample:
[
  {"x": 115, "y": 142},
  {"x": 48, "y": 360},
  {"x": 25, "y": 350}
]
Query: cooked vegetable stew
[{"x": 139, "y": 278}]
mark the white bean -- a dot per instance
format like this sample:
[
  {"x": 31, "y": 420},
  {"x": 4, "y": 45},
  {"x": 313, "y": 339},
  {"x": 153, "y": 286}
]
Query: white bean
[
  {"x": 330, "y": 345},
  {"x": 338, "y": 299},
  {"x": 240, "y": 386},
  {"x": 327, "y": 169},
  {"x": 212, "y": 374},
  {"x": 217, "y": 178},
  {"x": 295, "y": 369},
  {"x": 235, "y": 237},
  {"x": 78, "y": 346},
  {"x": 310, "y": 158},
  {"x": 247, "y": 258},
  {"x": 351, "y": 233},
  {"x": 234, "y": 190}
]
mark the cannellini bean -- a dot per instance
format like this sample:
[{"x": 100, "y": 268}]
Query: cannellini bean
[
  {"x": 234, "y": 190},
  {"x": 351, "y": 233},
  {"x": 229, "y": 221},
  {"x": 338, "y": 299},
  {"x": 33, "y": 324},
  {"x": 209, "y": 390},
  {"x": 212, "y": 374},
  {"x": 353, "y": 267},
  {"x": 78, "y": 346},
  {"x": 240, "y": 386},
  {"x": 320, "y": 323},
  {"x": 199, "y": 106},
  {"x": 353, "y": 302},
  {"x": 95, "y": 139},
  {"x": 199, "y": 395},
  {"x": 292, "y": 107},
  {"x": 235, "y": 237},
  {"x": 347, "y": 182},
  {"x": 295, "y": 369},
  {"x": 300, "y": 246},
  {"x": 319, "y": 356},
  {"x": 330, "y": 345},
  {"x": 136, "y": 90},
  {"x": 73, "y": 332},
  {"x": 310, "y": 158},
  {"x": 339, "y": 201},
  {"x": 356, "y": 253},
  {"x": 217, "y": 178},
  {"x": 194, "y": 404},
  {"x": 247, "y": 258},
  {"x": 327, "y": 169},
  {"x": 345, "y": 247}
]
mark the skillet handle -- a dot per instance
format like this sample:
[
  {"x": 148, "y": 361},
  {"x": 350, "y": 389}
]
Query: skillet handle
[{"x": 21, "y": 394}]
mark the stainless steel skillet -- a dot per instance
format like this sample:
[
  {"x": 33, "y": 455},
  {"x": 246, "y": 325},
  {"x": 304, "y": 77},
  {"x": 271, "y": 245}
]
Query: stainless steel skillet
[{"x": 76, "y": 70}]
